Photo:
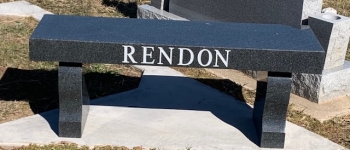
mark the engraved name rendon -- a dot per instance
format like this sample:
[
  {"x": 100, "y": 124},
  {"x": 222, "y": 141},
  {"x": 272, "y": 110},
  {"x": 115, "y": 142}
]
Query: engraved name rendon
[{"x": 159, "y": 55}]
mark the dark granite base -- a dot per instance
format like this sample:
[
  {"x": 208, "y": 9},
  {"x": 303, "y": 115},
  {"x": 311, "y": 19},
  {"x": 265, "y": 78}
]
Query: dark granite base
[
  {"x": 272, "y": 140},
  {"x": 70, "y": 129},
  {"x": 73, "y": 100},
  {"x": 270, "y": 108}
]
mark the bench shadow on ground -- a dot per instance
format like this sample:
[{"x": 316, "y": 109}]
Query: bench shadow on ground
[{"x": 39, "y": 88}]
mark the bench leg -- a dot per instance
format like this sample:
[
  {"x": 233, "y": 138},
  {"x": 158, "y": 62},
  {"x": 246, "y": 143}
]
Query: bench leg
[
  {"x": 270, "y": 108},
  {"x": 73, "y": 100}
]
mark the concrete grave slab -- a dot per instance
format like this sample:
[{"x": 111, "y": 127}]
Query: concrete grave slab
[{"x": 22, "y": 8}]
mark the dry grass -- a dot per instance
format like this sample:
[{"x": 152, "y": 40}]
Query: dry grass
[
  {"x": 103, "y": 8},
  {"x": 342, "y": 6},
  {"x": 14, "y": 110},
  {"x": 336, "y": 129},
  {"x": 77, "y": 7},
  {"x": 15, "y": 33},
  {"x": 72, "y": 146}
]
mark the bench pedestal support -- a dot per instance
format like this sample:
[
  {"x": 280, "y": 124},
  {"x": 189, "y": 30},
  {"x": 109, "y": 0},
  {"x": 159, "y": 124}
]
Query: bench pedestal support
[
  {"x": 73, "y": 100},
  {"x": 270, "y": 108}
]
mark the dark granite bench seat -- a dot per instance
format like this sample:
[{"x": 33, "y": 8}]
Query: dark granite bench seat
[{"x": 277, "y": 50}]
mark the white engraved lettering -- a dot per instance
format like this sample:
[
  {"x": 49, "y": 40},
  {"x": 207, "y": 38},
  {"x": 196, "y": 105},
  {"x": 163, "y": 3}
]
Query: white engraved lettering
[
  {"x": 145, "y": 55},
  {"x": 166, "y": 56},
  {"x": 199, "y": 57},
  {"x": 218, "y": 54},
  {"x": 128, "y": 54},
  {"x": 181, "y": 55}
]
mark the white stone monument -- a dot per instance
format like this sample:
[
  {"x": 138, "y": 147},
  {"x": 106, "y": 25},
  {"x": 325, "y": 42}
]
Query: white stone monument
[{"x": 333, "y": 32}]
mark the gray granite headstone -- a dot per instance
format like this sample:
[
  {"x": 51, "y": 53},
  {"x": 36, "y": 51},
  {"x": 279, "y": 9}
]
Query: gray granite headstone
[{"x": 286, "y": 12}]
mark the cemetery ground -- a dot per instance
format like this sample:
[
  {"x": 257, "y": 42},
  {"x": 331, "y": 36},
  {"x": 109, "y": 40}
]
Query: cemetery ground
[{"x": 28, "y": 88}]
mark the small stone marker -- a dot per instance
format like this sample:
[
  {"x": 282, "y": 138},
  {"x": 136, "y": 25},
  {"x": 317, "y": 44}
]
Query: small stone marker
[{"x": 333, "y": 32}]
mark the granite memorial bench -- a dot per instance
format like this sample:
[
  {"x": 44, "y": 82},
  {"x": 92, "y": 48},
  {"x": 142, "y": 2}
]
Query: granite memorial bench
[{"x": 276, "y": 50}]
